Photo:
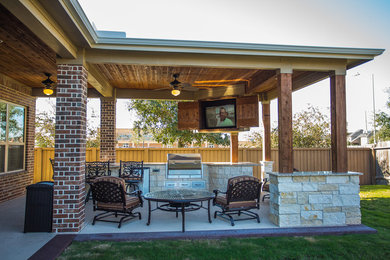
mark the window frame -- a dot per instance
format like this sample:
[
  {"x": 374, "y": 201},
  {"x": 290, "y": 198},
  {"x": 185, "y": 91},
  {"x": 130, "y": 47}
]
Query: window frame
[{"x": 7, "y": 143}]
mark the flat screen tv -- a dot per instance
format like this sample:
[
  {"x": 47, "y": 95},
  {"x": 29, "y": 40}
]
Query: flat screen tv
[{"x": 219, "y": 114}]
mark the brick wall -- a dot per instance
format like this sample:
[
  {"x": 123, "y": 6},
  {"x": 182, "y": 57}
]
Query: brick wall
[
  {"x": 13, "y": 185},
  {"x": 107, "y": 129},
  {"x": 70, "y": 146}
]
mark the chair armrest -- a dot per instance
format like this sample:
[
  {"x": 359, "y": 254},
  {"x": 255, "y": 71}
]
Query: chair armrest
[
  {"x": 218, "y": 191},
  {"x": 137, "y": 193}
]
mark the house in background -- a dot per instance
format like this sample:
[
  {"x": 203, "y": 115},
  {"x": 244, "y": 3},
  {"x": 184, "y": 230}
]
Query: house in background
[{"x": 359, "y": 137}]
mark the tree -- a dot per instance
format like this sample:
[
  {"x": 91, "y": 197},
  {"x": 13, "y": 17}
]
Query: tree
[
  {"x": 45, "y": 129},
  {"x": 383, "y": 122},
  {"x": 311, "y": 128},
  {"x": 159, "y": 118}
]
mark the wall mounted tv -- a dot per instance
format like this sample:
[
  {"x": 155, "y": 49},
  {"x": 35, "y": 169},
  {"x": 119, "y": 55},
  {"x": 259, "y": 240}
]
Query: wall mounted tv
[{"x": 219, "y": 114}]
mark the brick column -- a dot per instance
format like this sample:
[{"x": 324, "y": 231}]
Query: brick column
[
  {"x": 107, "y": 129},
  {"x": 70, "y": 139}
]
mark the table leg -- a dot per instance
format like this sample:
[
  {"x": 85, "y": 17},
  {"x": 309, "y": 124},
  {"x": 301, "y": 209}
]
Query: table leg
[
  {"x": 183, "y": 216},
  {"x": 150, "y": 212},
  {"x": 208, "y": 210}
]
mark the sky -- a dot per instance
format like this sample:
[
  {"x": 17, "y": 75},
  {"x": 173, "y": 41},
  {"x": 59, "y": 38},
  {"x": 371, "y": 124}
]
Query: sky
[{"x": 336, "y": 23}]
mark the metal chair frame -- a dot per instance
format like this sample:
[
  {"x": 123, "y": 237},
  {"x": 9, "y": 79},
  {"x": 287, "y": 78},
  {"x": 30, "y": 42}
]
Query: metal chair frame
[
  {"x": 94, "y": 170},
  {"x": 132, "y": 172},
  {"x": 110, "y": 192},
  {"x": 245, "y": 190}
]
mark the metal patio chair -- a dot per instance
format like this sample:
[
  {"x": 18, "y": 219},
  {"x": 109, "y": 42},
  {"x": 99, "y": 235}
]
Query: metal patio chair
[
  {"x": 109, "y": 195},
  {"x": 242, "y": 195},
  {"x": 94, "y": 170},
  {"x": 132, "y": 172}
]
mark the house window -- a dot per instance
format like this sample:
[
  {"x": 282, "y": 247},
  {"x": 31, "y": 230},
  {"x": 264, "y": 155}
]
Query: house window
[{"x": 12, "y": 137}]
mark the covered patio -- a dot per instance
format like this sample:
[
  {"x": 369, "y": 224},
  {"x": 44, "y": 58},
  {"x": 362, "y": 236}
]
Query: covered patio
[{"x": 57, "y": 38}]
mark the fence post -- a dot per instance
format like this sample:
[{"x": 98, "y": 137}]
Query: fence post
[
  {"x": 146, "y": 155},
  {"x": 373, "y": 165}
]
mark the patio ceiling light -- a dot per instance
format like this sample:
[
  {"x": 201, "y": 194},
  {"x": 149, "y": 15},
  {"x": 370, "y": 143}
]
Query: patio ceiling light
[
  {"x": 175, "y": 91},
  {"x": 48, "y": 90}
]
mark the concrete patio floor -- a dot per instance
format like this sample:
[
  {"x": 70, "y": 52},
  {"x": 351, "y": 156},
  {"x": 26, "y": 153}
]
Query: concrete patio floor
[
  {"x": 19, "y": 245},
  {"x": 162, "y": 221}
]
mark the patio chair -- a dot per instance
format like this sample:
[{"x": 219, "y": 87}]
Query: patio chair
[
  {"x": 109, "y": 195},
  {"x": 243, "y": 194},
  {"x": 94, "y": 170},
  {"x": 265, "y": 187},
  {"x": 132, "y": 172}
]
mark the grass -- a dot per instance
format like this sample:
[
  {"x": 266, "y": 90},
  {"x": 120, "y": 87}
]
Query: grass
[{"x": 375, "y": 208}]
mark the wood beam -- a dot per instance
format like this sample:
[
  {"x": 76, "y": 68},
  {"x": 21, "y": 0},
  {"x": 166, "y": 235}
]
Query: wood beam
[
  {"x": 262, "y": 81},
  {"x": 96, "y": 79},
  {"x": 266, "y": 130},
  {"x": 153, "y": 94},
  {"x": 338, "y": 124},
  {"x": 285, "y": 122},
  {"x": 234, "y": 147},
  {"x": 219, "y": 92}
]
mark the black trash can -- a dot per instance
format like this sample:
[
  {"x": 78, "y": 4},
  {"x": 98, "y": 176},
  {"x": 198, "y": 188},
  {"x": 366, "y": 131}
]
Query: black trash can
[{"x": 39, "y": 207}]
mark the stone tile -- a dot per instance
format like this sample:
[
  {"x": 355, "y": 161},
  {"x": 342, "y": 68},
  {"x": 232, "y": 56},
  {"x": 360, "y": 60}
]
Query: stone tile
[
  {"x": 285, "y": 195},
  {"x": 352, "y": 212},
  {"x": 309, "y": 186},
  {"x": 301, "y": 179},
  {"x": 332, "y": 209},
  {"x": 328, "y": 187},
  {"x": 353, "y": 221},
  {"x": 287, "y": 179},
  {"x": 311, "y": 215},
  {"x": 291, "y": 220},
  {"x": 317, "y": 178},
  {"x": 334, "y": 218},
  {"x": 288, "y": 201},
  {"x": 289, "y": 209},
  {"x": 311, "y": 223},
  {"x": 286, "y": 187},
  {"x": 350, "y": 200},
  {"x": 337, "y": 179},
  {"x": 320, "y": 199},
  {"x": 303, "y": 198},
  {"x": 354, "y": 179},
  {"x": 349, "y": 189}
]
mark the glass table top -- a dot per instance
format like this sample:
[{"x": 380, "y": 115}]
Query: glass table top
[{"x": 179, "y": 195}]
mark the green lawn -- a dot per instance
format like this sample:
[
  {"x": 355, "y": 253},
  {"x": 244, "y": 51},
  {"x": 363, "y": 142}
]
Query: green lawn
[{"x": 375, "y": 207}]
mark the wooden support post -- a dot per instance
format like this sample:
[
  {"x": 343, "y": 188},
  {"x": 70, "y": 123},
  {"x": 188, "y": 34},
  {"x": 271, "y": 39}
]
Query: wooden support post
[
  {"x": 285, "y": 122},
  {"x": 338, "y": 124},
  {"x": 233, "y": 147},
  {"x": 266, "y": 131}
]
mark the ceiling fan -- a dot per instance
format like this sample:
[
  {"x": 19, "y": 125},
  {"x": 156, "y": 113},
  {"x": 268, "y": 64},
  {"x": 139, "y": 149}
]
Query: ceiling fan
[{"x": 176, "y": 86}]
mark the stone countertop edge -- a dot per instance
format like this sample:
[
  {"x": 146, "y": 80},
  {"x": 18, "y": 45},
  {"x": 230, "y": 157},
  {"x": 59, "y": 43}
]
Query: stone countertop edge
[
  {"x": 315, "y": 173},
  {"x": 113, "y": 165},
  {"x": 231, "y": 164}
]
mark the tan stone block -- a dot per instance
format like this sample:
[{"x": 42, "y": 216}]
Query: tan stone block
[
  {"x": 312, "y": 222},
  {"x": 328, "y": 187},
  {"x": 353, "y": 221},
  {"x": 301, "y": 179},
  {"x": 317, "y": 178},
  {"x": 288, "y": 201},
  {"x": 332, "y": 209}
]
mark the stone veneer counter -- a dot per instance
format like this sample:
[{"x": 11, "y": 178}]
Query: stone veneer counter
[
  {"x": 314, "y": 198},
  {"x": 220, "y": 172}
]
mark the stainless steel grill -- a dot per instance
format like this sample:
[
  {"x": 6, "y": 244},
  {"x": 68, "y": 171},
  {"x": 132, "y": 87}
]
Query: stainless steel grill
[{"x": 184, "y": 166}]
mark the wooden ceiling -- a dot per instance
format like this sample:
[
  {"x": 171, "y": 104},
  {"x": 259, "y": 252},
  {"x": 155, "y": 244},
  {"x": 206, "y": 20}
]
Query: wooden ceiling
[
  {"x": 23, "y": 56},
  {"x": 157, "y": 77}
]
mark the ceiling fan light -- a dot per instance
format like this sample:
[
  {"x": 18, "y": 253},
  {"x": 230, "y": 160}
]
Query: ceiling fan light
[
  {"x": 175, "y": 92},
  {"x": 48, "y": 91}
]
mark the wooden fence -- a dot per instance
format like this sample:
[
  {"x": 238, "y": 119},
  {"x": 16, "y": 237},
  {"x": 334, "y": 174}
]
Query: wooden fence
[{"x": 305, "y": 159}]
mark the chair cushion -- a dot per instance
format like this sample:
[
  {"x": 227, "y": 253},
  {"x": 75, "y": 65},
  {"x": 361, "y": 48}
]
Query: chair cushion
[
  {"x": 221, "y": 200},
  {"x": 133, "y": 178},
  {"x": 266, "y": 187},
  {"x": 131, "y": 202}
]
